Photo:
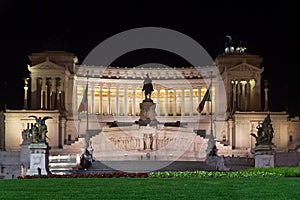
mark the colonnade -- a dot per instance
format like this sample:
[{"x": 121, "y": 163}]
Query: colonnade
[
  {"x": 48, "y": 93},
  {"x": 242, "y": 94},
  {"x": 125, "y": 100}
]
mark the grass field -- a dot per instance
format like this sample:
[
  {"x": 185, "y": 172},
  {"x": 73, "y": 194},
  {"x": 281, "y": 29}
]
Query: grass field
[{"x": 151, "y": 188}]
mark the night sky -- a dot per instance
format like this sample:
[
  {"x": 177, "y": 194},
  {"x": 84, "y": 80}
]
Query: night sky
[{"x": 34, "y": 26}]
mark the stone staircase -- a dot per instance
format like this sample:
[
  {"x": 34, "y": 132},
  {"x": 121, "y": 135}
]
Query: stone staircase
[
  {"x": 66, "y": 160},
  {"x": 63, "y": 164}
]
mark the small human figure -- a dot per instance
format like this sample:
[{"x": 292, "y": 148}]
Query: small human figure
[
  {"x": 85, "y": 160},
  {"x": 26, "y": 81},
  {"x": 23, "y": 170},
  {"x": 148, "y": 87},
  {"x": 26, "y": 136}
]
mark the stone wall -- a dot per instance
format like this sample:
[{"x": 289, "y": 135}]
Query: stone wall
[
  {"x": 287, "y": 159},
  {"x": 10, "y": 164},
  {"x": 238, "y": 163}
]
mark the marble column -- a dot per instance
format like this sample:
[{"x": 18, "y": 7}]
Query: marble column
[
  {"x": 125, "y": 101},
  {"x": 133, "y": 101},
  {"x": 239, "y": 95},
  {"x": 191, "y": 101},
  {"x": 101, "y": 100},
  {"x": 174, "y": 103},
  {"x": 59, "y": 90},
  {"x": 117, "y": 100},
  {"x": 25, "y": 97},
  {"x": 43, "y": 94},
  {"x": 109, "y": 103},
  {"x": 243, "y": 95},
  {"x": 52, "y": 93},
  {"x": 199, "y": 97},
  {"x": 166, "y": 102},
  {"x": 158, "y": 102},
  {"x": 247, "y": 96},
  {"x": 93, "y": 98},
  {"x": 182, "y": 101},
  {"x": 266, "y": 97}
]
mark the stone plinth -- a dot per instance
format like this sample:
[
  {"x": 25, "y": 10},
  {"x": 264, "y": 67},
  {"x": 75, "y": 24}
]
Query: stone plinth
[
  {"x": 25, "y": 155},
  {"x": 218, "y": 162},
  {"x": 264, "y": 156},
  {"x": 39, "y": 159},
  {"x": 147, "y": 114}
]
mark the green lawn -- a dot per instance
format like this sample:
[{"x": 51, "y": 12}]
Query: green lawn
[{"x": 151, "y": 188}]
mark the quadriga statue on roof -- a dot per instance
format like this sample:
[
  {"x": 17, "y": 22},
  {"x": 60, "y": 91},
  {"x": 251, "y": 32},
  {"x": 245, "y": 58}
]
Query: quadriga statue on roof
[
  {"x": 39, "y": 130},
  {"x": 264, "y": 132}
]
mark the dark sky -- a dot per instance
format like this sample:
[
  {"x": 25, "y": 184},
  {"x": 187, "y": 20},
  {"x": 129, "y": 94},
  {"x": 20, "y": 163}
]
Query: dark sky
[{"x": 79, "y": 26}]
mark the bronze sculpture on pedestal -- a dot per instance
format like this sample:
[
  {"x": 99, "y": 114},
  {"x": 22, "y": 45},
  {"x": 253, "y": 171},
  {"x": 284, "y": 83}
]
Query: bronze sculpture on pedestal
[
  {"x": 148, "y": 87},
  {"x": 264, "y": 132}
]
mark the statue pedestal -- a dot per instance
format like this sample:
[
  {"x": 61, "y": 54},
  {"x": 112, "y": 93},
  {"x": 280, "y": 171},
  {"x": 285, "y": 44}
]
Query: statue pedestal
[
  {"x": 25, "y": 155},
  {"x": 147, "y": 114},
  {"x": 264, "y": 156},
  {"x": 39, "y": 159},
  {"x": 218, "y": 162}
]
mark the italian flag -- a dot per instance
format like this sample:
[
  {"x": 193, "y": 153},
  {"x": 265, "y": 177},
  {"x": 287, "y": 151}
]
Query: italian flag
[
  {"x": 84, "y": 102},
  {"x": 205, "y": 98}
]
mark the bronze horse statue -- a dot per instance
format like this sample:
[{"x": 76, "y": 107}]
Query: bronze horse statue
[{"x": 148, "y": 87}]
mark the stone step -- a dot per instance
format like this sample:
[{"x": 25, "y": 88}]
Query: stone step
[
  {"x": 63, "y": 164},
  {"x": 148, "y": 166}
]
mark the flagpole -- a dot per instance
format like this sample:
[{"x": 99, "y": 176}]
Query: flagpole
[
  {"x": 87, "y": 114},
  {"x": 211, "y": 111},
  {"x": 212, "y": 149},
  {"x": 87, "y": 104}
]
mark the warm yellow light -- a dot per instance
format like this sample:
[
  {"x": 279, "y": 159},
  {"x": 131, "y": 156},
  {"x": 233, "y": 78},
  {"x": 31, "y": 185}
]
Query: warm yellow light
[{"x": 252, "y": 82}]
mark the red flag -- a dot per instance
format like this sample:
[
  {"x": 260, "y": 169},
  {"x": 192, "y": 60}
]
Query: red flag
[
  {"x": 84, "y": 102},
  {"x": 205, "y": 98}
]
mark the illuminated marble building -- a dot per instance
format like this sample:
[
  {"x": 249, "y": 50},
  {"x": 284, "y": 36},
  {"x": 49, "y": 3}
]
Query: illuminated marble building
[{"x": 57, "y": 84}]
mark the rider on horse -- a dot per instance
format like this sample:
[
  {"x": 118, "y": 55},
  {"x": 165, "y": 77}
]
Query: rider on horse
[{"x": 148, "y": 87}]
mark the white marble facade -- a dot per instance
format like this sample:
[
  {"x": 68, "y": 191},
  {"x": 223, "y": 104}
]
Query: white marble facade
[{"x": 114, "y": 94}]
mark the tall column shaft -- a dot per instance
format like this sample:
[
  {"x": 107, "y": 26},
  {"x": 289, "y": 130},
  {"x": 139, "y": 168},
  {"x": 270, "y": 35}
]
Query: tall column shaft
[
  {"x": 239, "y": 95},
  {"x": 191, "y": 102},
  {"x": 25, "y": 97},
  {"x": 101, "y": 100},
  {"x": 266, "y": 100},
  {"x": 166, "y": 102},
  {"x": 93, "y": 98},
  {"x": 199, "y": 96},
  {"x": 247, "y": 95},
  {"x": 43, "y": 94},
  {"x": 174, "y": 103},
  {"x": 182, "y": 103},
  {"x": 109, "y": 102},
  {"x": 234, "y": 87},
  {"x": 52, "y": 93},
  {"x": 133, "y": 101},
  {"x": 243, "y": 96},
  {"x": 117, "y": 101},
  {"x": 158, "y": 102},
  {"x": 125, "y": 101}
]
